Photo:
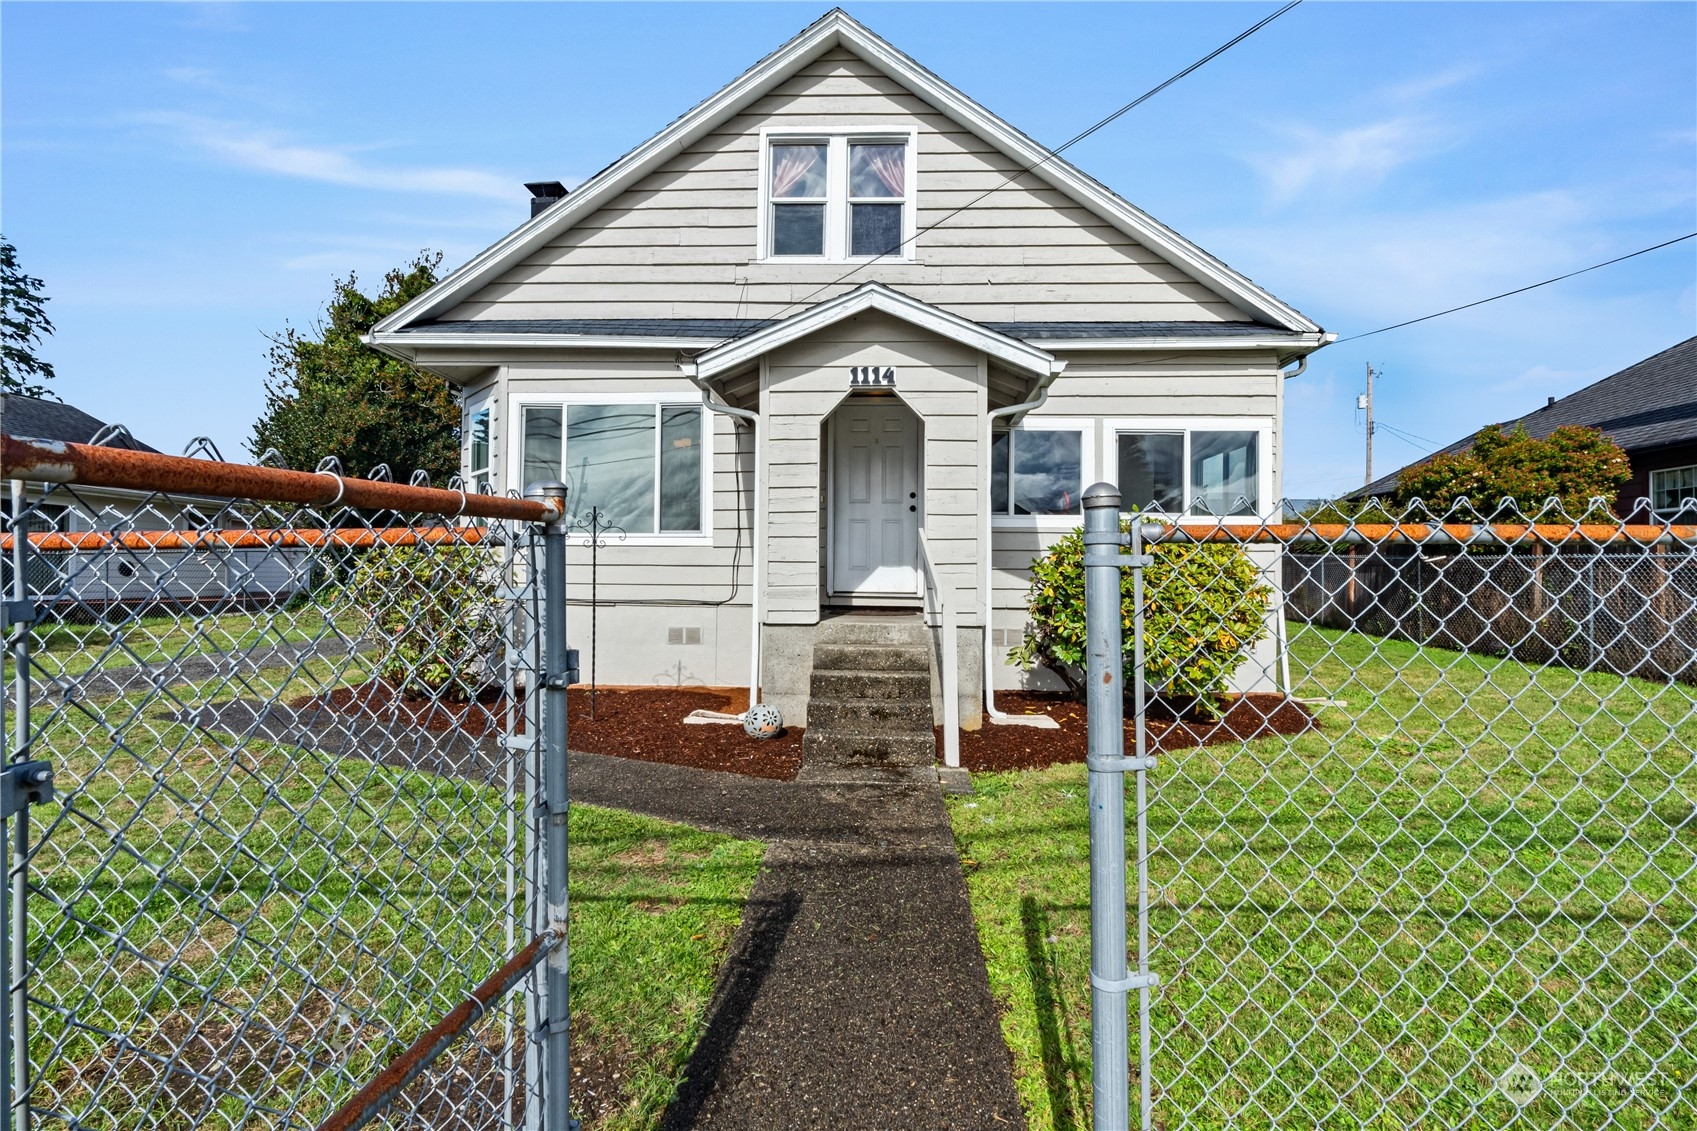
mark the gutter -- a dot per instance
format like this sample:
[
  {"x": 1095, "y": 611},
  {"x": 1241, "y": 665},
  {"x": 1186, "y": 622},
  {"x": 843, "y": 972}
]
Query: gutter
[
  {"x": 990, "y": 419},
  {"x": 753, "y": 419}
]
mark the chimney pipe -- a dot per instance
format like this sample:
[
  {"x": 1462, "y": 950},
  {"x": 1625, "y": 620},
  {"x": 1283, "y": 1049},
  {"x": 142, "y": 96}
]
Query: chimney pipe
[
  {"x": 544, "y": 194},
  {"x": 1551, "y": 403}
]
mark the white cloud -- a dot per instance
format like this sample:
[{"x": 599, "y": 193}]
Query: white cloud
[
  {"x": 1347, "y": 160},
  {"x": 266, "y": 151}
]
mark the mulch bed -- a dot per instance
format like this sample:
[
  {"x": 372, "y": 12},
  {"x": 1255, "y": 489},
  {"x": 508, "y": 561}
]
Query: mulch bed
[
  {"x": 994, "y": 747},
  {"x": 645, "y": 723}
]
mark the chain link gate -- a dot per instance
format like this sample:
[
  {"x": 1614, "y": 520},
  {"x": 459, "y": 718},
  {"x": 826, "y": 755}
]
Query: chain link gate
[
  {"x": 1446, "y": 873},
  {"x": 285, "y": 849}
]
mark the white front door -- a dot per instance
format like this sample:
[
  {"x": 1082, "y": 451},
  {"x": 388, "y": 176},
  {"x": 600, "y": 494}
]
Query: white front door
[{"x": 874, "y": 500}]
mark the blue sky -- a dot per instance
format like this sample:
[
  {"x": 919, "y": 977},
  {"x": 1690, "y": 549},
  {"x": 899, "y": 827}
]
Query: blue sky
[{"x": 187, "y": 178}]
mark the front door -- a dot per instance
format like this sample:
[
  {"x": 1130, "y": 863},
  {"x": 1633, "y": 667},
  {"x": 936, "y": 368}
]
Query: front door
[{"x": 874, "y": 500}]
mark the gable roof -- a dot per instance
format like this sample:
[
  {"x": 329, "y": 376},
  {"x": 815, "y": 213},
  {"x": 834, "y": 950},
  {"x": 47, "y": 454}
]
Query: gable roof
[
  {"x": 838, "y": 29},
  {"x": 1650, "y": 404},
  {"x": 52, "y": 420},
  {"x": 738, "y": 352}
]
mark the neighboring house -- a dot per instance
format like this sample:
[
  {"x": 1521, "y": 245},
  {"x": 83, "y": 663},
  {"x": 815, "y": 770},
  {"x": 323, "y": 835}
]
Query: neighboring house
[
  {"x": 80, "y": 508},
  {"x": 1649, "y": 409},
  {"x": 766, "y": 346}
]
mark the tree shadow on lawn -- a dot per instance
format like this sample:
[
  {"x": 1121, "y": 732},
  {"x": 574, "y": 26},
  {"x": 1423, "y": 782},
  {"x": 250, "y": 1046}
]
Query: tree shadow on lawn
[{"x": 1057, "y": 1031}]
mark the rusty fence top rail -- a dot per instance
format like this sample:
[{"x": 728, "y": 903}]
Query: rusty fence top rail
[
  {"x": 52, "y": 461},
  {"x": 1424, "y": 534}
]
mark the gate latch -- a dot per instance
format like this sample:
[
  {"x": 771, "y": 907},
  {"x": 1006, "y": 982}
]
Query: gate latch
[
  {"x": 559, "y": 681},
  {"x": 23, "y": 784}
]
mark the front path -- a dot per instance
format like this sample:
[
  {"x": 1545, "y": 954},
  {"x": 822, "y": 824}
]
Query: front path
[{"x": 855, "y": 992}]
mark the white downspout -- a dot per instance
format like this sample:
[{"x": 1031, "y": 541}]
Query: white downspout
[
  {"x": 753, "y": 419},
  {"x": 990, "y": 419}
]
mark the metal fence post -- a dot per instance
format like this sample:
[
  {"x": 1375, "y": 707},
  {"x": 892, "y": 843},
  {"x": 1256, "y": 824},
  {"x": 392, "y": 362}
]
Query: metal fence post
[
  {"x": 14, "y": 1090},
  {"x": 1107, "y": 762},
  {"x": 556, "y": 678}
]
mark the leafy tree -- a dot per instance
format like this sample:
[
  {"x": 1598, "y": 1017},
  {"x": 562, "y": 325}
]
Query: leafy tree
[
  {"x": 23, "y": 323},
  {"x": 1575, "y": 465},
  {"x": 1204, "y": 606},
  {"x": 330, "y": 394}
]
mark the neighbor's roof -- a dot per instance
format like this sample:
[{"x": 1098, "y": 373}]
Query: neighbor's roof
[
  {"x": 51, "y": 420},
  {"x": 838, "y": 29},
  {"x": 1648, "y": 405}
]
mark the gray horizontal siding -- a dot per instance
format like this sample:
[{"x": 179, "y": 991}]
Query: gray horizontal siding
[{"x": 680, "y": 243}]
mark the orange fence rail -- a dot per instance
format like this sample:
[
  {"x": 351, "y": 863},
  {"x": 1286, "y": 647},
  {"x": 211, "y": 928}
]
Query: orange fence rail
[
  {"x": 1422, "y": 534},
  {"x": 257, "y": 538}
]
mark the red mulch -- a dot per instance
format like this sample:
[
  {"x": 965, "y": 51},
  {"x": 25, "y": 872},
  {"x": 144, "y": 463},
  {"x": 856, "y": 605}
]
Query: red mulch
[
  {"x": 994, "y": 747},
  {"x": 630, "y": 722}
]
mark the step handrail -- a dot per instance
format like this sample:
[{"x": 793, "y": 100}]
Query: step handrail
[{"x": 949, "y": 657}]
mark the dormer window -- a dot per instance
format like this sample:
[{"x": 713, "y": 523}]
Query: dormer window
[{"x": 838, "y": 196}]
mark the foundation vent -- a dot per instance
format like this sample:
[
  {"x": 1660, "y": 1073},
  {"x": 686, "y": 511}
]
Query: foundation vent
[
  {"x": 681, "y": 634},
  {"x": 1006, "y": 637}
]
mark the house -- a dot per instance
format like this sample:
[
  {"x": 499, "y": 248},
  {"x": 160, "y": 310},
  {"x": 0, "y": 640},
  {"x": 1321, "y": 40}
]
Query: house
[
  {"x": 801, "y": 363},
  {"x": 95, "y": 574},
  {"x": 1648, "y": 408},
  {"x": 80, "y": 508}
]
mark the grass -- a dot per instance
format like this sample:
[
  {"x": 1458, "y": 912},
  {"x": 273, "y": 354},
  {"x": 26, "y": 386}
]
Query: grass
[
  {"x": 281, "y": 922},
  {"x": 1473, "y": 863}
]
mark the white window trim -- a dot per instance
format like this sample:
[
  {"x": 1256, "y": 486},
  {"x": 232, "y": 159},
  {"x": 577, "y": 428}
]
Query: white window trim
[
  {"x": 1659, "y": 471},
  {"x": 1261, "y": 425},
  {"x": 836, "y": 190},
  {"x": 514, "y": 460},
  {"x": 1087, "y": 448},
  {"x": 481, "y": 401}
]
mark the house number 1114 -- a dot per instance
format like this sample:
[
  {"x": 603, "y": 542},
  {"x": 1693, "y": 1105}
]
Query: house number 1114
[{"x": 872, "y": 377}]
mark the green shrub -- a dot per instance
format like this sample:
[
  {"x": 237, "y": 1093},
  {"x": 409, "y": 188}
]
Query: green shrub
[
  {"x": 1204, "y": 607},
  {"x": 434, "y": 611}
]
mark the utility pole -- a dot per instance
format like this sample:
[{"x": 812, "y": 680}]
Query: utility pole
[{"x": 1365, "y": 401}]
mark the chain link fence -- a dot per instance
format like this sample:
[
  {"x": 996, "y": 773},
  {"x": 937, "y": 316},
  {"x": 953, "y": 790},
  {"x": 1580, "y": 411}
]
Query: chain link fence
[
  {"x": 278, "y": 815},
  {"x": 1444, "y": 872}
]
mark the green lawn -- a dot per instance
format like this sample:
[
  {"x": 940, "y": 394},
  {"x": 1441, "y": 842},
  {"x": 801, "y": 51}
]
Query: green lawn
[
  {"x": 1474, "y": 862},
  {"x": 193, "y": 882}
]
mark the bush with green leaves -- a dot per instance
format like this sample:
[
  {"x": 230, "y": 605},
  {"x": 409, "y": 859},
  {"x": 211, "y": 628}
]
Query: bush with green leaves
[
  {"x": 1205, "y": 606},
  {"x": 434, "y": 611}
]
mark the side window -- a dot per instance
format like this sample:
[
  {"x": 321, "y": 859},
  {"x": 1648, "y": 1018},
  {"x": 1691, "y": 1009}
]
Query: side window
[
  {"x": 1672, "y": 487},
  {"x": 1037, "y": 472},
  {"x": 477, "y": 461}
]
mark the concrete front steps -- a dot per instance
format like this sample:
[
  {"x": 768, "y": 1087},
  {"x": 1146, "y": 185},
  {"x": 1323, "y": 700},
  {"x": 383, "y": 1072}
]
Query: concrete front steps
[{"x": 869, "y": 699}]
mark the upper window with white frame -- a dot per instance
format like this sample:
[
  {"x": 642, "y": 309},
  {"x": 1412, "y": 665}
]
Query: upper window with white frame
[
  {"x": 838, "y": 197},
  {"x": 1196, "y": 470},
  {"x": 640, "y": 464},
  {"x": 1672, "y": 488}
]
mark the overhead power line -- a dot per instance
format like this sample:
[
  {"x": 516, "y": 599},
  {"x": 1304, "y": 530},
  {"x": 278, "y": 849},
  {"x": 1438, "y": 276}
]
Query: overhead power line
[
  {"x": 1048, "y": 155},
  {"x": 1520, "y": 290}
]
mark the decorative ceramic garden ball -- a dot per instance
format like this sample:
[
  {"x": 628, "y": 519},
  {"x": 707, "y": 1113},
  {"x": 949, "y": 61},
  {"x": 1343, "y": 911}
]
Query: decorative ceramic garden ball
[{"x": 762, "y": 721}]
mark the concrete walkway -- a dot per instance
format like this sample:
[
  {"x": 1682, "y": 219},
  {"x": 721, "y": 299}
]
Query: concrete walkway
[{"x": 855, "y": 992}]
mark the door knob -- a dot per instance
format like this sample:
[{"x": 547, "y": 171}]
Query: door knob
[{"x": 911, "y": 507}]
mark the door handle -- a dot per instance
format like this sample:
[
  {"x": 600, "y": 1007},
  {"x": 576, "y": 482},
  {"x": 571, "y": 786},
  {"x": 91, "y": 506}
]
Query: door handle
[{"x": 911, "y": 507}]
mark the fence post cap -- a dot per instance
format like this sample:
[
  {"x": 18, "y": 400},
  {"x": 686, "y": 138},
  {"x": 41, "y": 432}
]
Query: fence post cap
[
  {"x": 1101, "y": 495},
  {"x": 549, "y": 492}
]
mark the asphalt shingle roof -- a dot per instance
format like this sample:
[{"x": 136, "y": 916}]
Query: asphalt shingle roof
[
  {"x": 1647, "y": 405},
  {"x": 51, "y": 420},
  {"x": 715, "y": 329}
]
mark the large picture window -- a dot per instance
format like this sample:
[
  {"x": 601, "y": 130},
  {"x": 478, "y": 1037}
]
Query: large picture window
[
  {"x": 1037, "y": 472},
  {"x": 837, "y": 197},
  {"x": 1202, "y": 471},
  {"x": 1671, "y": 487},
  {"x": 640, "y": 464}
]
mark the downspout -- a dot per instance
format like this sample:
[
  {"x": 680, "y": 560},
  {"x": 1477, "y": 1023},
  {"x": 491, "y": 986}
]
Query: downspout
[
  {"x": 990, "y": 419},
  {"x": 753, "y": 420}
]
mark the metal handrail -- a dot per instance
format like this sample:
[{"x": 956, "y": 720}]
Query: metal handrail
[{"x": 949, "y": 659}]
